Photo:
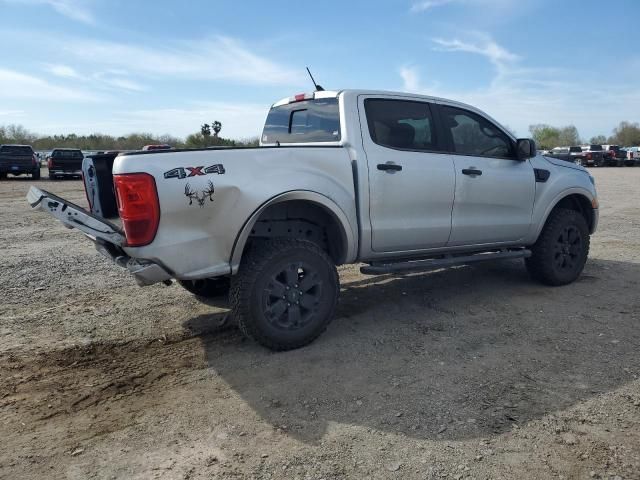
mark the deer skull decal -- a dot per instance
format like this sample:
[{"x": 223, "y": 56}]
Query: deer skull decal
[{"x": 199, "y": 197}]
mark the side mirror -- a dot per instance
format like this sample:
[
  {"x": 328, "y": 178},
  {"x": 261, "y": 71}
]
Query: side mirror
[{"x": 525, "y": 148}]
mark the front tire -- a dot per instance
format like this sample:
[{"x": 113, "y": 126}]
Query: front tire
[
  {"x": 285, "y": 293},
  {"x": 559, "y": 255}
]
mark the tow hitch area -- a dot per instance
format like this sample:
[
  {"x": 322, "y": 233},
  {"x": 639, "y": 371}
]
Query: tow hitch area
[{"x": 107, "y": 237}]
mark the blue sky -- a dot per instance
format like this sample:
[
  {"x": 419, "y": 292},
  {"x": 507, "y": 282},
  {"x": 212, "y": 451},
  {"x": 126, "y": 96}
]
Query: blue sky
[{"x": 118, "y": 66}]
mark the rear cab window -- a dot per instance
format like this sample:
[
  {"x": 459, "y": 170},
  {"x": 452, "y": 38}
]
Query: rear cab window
[
  {"x": 73, "y": 154},
  {"x": 307, "y": 121},
  {"x": 16, "y": 150}
]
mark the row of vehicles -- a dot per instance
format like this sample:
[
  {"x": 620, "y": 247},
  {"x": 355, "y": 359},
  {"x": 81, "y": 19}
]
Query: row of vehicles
[
  {"x": 597, "y": 155},
  {"x": 61, "y": 162}
]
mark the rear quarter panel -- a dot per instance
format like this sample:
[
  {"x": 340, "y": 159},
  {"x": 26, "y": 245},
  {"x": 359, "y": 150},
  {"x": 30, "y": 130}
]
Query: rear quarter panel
[{"x": 195, "y": 239}]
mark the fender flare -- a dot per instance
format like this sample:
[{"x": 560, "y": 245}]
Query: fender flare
[
  {"x": 347, "y": 232},
  {"x": 557, "y": 199}
]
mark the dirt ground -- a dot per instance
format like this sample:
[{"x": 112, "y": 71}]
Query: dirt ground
[{"x": 475, "y": 372}]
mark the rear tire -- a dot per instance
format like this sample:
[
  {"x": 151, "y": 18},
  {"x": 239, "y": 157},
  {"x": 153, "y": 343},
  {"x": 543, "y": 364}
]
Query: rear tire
[
  {"x": 36, "y": 174},
  {"x": 285, "y": 293},
  {"x": 207, "y": 287},
  {"x": 559, "y": 255},
  {"x": 3, "y": 176}
]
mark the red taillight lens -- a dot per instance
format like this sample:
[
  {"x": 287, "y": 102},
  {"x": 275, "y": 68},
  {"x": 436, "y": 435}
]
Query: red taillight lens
[
  {"x": 588, "y": 156},
  {"x": 34, "y": 159},
  {"x": 138, "y": 207},
  {"x": 49, "y": 163}
]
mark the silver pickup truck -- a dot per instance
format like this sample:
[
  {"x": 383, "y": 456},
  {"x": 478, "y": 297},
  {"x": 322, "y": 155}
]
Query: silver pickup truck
[{"x": 395, "y": 181}]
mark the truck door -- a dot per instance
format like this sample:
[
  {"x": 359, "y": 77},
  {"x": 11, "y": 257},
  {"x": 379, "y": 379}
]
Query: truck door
[
  {"x": 411, "y": 183},
  {"x": 494, "y": 191}
]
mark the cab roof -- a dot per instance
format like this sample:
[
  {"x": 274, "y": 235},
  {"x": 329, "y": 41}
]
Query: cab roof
[{"x": 334, "y": 93}]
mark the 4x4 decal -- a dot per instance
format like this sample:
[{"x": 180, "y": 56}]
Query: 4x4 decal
[{"x": 184, "y": 172}]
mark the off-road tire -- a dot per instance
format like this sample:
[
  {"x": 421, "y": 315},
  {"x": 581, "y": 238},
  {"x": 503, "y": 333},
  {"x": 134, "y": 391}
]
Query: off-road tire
[
  {"x": 3, "y": 176},
  {"x": 559, "y": 255},
  {"x": 36, "y": 174},
  {"x": 207, "y": 287},
  {"x": 273, "y": 275}
]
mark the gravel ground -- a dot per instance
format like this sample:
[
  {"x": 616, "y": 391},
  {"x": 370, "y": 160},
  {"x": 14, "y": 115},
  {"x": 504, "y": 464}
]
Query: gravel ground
[{"x": 474, "y": 372}]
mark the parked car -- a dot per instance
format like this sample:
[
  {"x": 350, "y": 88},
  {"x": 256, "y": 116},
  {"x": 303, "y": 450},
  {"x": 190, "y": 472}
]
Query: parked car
[
  {"x": 17, "y": 160},
  {"x": 398, "y": 181},
  {"x": 65, "y": 162}
]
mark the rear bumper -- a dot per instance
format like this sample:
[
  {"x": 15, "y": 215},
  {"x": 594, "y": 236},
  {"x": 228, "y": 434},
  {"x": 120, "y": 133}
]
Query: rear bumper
[
  {"x": 69, "y": 173},
  {"x": 107, "y": 237},
  {"x": 18, "y": 168}
]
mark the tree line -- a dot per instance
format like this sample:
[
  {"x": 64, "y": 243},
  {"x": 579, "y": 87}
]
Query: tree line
[
  {"x": 547, "y": 137},
  {"x": 208, "y": 136}
]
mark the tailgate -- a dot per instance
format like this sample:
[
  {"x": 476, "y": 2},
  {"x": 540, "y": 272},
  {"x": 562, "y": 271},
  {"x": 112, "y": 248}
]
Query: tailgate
[
  {"x": 16, "y": 160},
  {"x": 74, "y": 216}
]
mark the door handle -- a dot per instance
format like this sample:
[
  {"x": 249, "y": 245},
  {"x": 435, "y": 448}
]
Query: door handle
[
  {"x": 471, "y": 171},
  {"x": 389, "y": 167}
]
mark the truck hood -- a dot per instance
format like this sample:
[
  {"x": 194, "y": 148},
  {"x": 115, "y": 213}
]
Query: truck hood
[{"x": 564, "y": 163}]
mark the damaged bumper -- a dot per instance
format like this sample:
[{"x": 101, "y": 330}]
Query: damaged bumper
[{"x": 107, "y": 237}]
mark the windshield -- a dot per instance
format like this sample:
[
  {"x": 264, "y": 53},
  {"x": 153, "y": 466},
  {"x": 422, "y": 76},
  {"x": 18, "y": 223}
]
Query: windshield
[
  {"x": 575, "y": 149},
  {"x": 307, "y": 121}
]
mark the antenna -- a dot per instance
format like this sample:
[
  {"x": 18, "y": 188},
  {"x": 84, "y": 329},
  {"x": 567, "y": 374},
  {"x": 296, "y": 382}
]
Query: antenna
[{"x": 318, "y": 87}]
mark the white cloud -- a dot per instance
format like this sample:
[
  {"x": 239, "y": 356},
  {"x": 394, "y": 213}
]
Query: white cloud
[
  {"x": 74, "y": 9},
  {"x": 15, "y": 84},
  {"x": 485, "y": 46},
  {"x": 217, "y": 58},
  {"x": 520, "y": 96},
  {"x": 419, "y": 6},
  {"x": 428, "y": 4},
  {"x": 61, "y": 70},
  {"x": 12, "y": 113}
]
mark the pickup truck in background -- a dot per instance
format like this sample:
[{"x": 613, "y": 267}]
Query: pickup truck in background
[
  {"x": 65, "y": 162},
  {"x": 17, "y": 160},
  {"x": 398, "y": 181},
  {"x": 633, "y": 156},
  {"x": 568, "y": 154},
  {"x": 593, "y": 156},
  {"x": 616, "y": 156}
]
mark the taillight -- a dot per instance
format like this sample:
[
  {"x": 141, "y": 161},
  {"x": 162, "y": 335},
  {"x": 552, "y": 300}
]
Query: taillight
[
  {"x": 588, "y": 156},
  {"x": 34, "y": 159},
  {"x": 138, "y": 207},
  {"x": 49, "y": 165}
]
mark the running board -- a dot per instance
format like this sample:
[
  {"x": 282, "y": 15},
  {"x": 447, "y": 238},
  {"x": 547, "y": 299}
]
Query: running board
[{"x": 447, "y": 261}]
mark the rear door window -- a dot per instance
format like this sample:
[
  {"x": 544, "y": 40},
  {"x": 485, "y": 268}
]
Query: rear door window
[
  {"x": 316, "y": 120},
  {"x": 401, "y": 124}
]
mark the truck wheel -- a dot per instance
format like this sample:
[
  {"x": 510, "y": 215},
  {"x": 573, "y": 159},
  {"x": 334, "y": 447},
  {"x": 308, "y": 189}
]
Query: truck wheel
[
  {"x": 36, "y": 174},
  {"x": 3, "y": 176},
  {"x": 561, "y": 251},
  {"x": 206, "y": 287},
  {"x": 285, "y": 293}
]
